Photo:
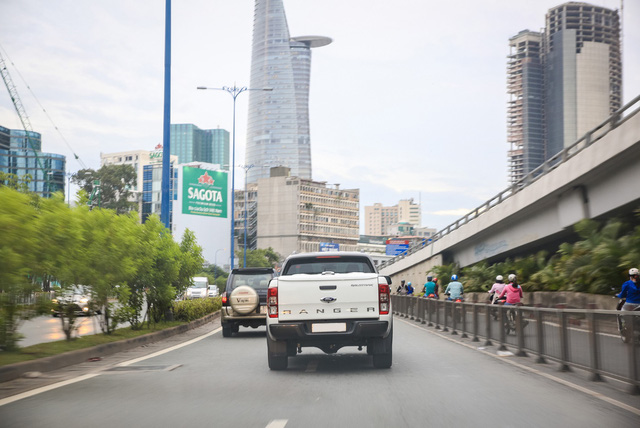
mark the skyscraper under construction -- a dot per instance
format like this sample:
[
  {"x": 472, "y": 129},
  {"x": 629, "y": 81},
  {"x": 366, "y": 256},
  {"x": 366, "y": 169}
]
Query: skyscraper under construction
[
  {"x": 561, "y": 83},
  {"x": 278, "y": 122}
]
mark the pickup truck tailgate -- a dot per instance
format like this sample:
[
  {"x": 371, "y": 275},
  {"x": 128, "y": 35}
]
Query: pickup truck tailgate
[{"x": 304, "y": 297}]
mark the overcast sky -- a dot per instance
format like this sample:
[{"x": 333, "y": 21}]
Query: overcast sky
[{"x": 409, "y": 101}]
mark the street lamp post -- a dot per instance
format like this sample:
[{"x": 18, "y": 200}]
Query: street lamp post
[
  {"x": 234, "y": 91},
  {"x": 246, "y": 171}
]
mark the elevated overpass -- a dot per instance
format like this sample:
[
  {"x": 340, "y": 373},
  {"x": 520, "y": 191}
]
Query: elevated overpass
[{"x": 597, "y": 175}]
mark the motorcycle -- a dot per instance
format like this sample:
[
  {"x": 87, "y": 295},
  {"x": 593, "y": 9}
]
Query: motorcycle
[
  {"x": 431, "y": 296},
  {"x": 458, "y": 299},
  {"x": 493, "y": 300},
  {"x": 510, "y": 318},
  {"x": 622, "y": 325}
]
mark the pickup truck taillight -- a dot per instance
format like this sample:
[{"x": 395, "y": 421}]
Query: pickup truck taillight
[
  {"x": 272, "y": 302},
  {"x": 383, "y": 298}
]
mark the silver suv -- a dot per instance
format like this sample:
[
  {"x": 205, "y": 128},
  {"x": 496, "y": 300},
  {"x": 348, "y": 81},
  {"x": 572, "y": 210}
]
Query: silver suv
[{"x": 244, "y": 301}]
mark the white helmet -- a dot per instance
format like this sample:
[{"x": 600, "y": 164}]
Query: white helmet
[
  {"x": 633, "y": 271},
  {"x": 499, "y": 278},
  {"x": 512, "y": 277}
]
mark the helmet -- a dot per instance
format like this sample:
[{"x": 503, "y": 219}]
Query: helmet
[
  {"x": 499, "y": 278},
  {"x": 435, "y": 279},
  {"x": 454, "y": 277},
  {"x": 409, "y": 283},
  {"x": 429, "y": 278},
  {"x": 512, "y": 277},
  {"x": 633, "y": 271}
]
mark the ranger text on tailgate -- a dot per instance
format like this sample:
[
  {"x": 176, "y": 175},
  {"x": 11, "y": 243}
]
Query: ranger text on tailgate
[{"x": 328, "y": 301}]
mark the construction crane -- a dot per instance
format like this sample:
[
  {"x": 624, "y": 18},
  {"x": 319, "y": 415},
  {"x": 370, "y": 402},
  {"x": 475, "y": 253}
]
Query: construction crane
[{"x": 24, "y": 119}]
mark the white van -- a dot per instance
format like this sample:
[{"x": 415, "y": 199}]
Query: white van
[{"x": 199, "y": 289}]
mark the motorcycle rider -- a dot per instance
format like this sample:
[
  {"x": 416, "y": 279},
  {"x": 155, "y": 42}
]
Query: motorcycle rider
[
  {"x": 409, "y": 289},
  {"x": 402, "y": 289},
  {"x": 512, "y": 290},
  {"x": 496, "y": 289},
  {"x": 430, "y": 287},
  {"x": 631, "y": 291},
  {"x": 454, "y": 289}
]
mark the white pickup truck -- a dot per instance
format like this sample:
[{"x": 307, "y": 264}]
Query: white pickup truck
[{"x": 329, "y": 300}]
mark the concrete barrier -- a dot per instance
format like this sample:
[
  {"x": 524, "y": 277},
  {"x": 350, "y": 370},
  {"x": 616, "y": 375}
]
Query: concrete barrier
[
  {"x": 553, "y": 299},
  {"x": 14, "y": 371}
]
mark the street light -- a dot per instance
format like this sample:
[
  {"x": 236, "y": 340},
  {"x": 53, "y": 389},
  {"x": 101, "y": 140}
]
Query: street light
[
  {"x": 234, "y": 91},
  {"x": 246, "y": 171}
]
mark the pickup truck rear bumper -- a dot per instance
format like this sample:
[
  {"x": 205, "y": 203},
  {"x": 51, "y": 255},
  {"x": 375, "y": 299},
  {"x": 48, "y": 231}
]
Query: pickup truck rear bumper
[{"x": 355, "y": 330}]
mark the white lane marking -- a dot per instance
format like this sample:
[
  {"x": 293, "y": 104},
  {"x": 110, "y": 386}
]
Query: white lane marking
[
  {"x": 587, "y": 391},
  {"x": 277, "y": 423},
  {"x": 312, "y": 366},
  {"x": 37, "y": 391},
  {"x": 164, "y": 351}
]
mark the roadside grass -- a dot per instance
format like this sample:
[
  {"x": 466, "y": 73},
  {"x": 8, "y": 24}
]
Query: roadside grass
[{"x": 49, "y": 349}]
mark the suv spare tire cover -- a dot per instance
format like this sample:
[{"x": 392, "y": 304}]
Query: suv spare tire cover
[{"x": 244, "y": 300}]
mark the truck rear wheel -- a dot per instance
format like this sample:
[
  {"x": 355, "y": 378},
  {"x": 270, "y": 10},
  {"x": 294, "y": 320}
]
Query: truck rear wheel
[
  {"x": 277, "y": 354},
  {"x": 383, "y": 352}
]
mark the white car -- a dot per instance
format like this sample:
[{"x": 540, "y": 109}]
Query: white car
[{"x": 199, "y": 289}]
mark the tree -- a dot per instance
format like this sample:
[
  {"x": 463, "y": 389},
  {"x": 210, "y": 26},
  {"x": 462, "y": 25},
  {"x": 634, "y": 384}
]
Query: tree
[
  {"x": 115, "y": 182},
  {"x": 18, "y": 244},
  {"x": 261, "y": 258},
  {"x": 13, "y": 181},
  {"x": 61, "y": 252},
  {"x": 191, "y": 261},
  {"x": 112, "y": 248}
]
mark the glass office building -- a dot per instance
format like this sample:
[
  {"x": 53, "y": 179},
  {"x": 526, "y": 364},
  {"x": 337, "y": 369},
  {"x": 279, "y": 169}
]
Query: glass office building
[
  {"x": 192, "y": 144},
  {"x": 20, "y": 154},
  {"x": 152, "y": 191},
  {"x": 278, "y": 122}
]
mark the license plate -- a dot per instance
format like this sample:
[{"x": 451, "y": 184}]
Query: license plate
[
  {"x": 332, "y": 327},
  {"x": 263, "y": 309}
]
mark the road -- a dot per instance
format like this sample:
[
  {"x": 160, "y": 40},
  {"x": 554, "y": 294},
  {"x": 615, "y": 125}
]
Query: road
[
  {"x": 225, "y": 382},
  {"x": 49, "y": 329}
]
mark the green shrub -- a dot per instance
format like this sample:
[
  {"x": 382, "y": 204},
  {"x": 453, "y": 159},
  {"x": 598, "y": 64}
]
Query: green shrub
[{"x": 189, "y": 310}]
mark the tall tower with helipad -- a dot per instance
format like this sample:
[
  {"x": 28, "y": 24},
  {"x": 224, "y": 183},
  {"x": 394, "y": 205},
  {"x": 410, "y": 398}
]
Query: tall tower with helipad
[{"x": 278, "y": 123}]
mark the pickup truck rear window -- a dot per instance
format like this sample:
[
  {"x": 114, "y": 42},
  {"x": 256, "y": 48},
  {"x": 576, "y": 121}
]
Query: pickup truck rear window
[{"x": 336, "y": 264}]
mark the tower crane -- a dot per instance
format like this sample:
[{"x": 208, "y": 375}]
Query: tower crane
[{"x": 24, "y": 119}]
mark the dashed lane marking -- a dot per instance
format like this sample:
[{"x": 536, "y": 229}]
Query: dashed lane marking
[{"x": 277, "y": 423}]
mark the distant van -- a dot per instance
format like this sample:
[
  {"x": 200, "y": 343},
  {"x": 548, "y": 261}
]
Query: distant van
[{"x": 199, "y": 289}]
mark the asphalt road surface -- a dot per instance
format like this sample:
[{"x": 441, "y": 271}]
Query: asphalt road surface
[{"x": 223, "y": 382}]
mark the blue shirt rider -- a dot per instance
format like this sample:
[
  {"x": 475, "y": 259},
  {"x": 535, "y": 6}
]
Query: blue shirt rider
[
  {"x": 409, "y": 289},
  {"x": 454, "y": 288},
  {"x": 430, "y": 287},
  {"x": 630, "y": 291}
]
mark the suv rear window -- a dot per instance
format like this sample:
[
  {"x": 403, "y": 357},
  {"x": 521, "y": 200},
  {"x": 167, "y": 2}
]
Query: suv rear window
[
  {"x": 319, "y": 264},
  {"x": 255, "y": 281}
]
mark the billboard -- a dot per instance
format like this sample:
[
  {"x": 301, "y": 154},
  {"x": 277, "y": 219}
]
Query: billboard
[
  {"x": 395, "y": 247},
  {"x": 329, "y": 246},
  {"x": 204, "y": 192}
]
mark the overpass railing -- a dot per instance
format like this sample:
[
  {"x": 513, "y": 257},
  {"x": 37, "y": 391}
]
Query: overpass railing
[
  {"x": 574, "y": 338},
  {"x": 618, "y": 118}
]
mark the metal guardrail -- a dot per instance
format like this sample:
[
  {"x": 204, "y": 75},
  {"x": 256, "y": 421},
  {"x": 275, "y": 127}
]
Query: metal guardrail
[
  {"x": 580, "y": 338},
  {"x": 618, "y": 118}
]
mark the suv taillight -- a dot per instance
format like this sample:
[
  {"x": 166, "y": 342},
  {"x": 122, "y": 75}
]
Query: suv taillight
[
  {"x": 225, "y": 300},
  {"x": 272, "y": 302},
  {"x": 383, "y": 298}
]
